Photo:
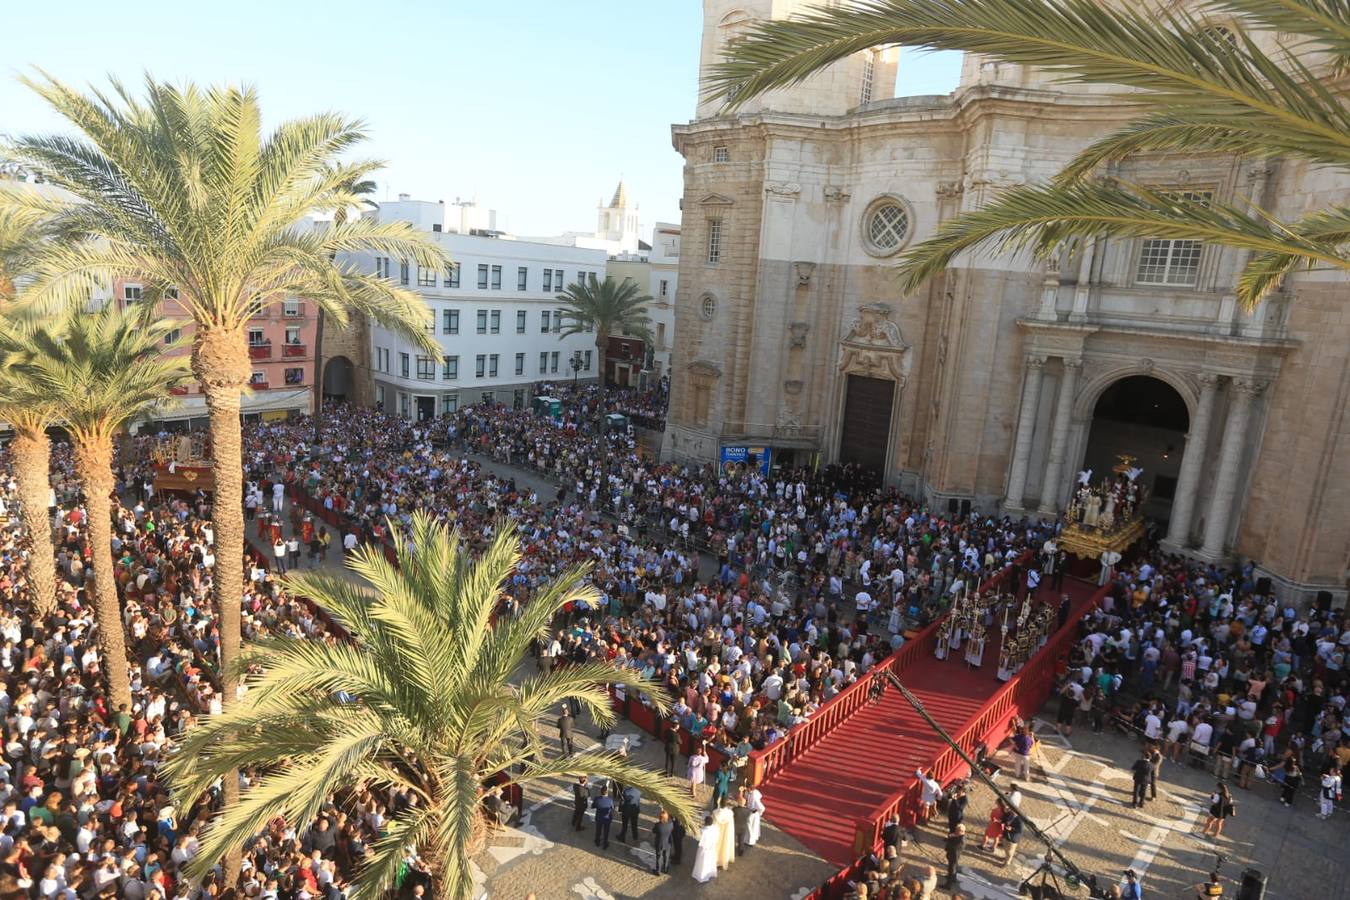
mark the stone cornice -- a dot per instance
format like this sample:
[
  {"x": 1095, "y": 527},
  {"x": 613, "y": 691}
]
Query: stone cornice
[{"x": 1208, "y": 338}]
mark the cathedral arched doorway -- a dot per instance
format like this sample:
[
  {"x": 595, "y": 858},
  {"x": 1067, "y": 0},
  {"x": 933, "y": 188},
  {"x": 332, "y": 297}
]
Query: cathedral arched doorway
[
  {"x": 338, "y": 380},
  {"x": 1145, "y": 418}
]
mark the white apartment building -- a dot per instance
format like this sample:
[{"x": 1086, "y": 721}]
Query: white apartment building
[
  {"x": 665, "y": 273},
  {"x": 496, "y": 316}
]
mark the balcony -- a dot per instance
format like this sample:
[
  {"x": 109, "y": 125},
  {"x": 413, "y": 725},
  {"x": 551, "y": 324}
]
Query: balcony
[
  {"x": 797, "y": 435},
  {"x": 259, "y": 351},
  {"x": 293, "y": 350},
  {"x": 258, "y": 385}
]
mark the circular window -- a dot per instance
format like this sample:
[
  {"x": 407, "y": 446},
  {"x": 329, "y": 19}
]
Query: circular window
[
  {"x": 709, "y": 306},
  {"x": 886, "y": 226}
]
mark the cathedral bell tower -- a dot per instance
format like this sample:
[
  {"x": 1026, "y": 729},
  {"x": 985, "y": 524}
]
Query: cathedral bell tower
[{"x": 861, "y": 78}]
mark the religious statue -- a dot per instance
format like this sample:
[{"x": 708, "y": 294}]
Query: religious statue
[{"x": 1092, "y": 512}]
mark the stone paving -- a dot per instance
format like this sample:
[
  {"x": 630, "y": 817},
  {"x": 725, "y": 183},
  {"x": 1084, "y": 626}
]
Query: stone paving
[{"x": 1079, "y": 793}]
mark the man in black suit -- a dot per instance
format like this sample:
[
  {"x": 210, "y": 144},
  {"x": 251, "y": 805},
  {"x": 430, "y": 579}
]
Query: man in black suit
[
  {"x": 955, "y": 843},
  {"x": 741, "y": 820},
  {"x": 580, "y": 800},
  {"x": 663, "y": 841},
  {"x": 604, "y": 817},
  {"x": 565, "y": 723},
  {"x": 677, "y": 843},
  {"x": 672, "y": 747}
]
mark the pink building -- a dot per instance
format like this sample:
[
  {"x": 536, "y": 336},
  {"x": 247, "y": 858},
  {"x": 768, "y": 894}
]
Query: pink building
[{"x": 281, "y": 346}]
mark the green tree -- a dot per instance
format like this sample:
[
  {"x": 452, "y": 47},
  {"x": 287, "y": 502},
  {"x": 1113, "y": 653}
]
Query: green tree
[
  {"x": 103, "y": 369},
  {"x": 364, "y": 188},
  {"x": 605, "y": 307},
  {"x": 420, "y": 701},
  {"x": 1202, "y": 84},
  {"x": 21, "y": 231},
  {"x": 181, "y": 190}
]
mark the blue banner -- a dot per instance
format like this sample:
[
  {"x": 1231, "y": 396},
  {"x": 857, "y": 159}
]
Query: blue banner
[{"x": 735, "y": 459}]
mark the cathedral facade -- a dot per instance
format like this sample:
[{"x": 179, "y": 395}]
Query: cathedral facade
[{"x": 995, "y": 384}]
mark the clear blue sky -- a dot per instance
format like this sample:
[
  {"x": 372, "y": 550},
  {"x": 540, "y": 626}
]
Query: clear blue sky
[{"x": 534, "y": 107}]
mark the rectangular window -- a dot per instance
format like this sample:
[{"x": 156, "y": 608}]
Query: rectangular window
[
  {"x": 426, "y": 277},
  {"x": 403, "y": 364},
  {"x": 553, "y": 362},
  {"x": 381, "y": 267},
  {"x": 256, "y": 338},
  {"x": 173, "y": 337},
  {"x": 171, "y": 293},
  {"x": 487, "y": 396},
  {"x": 522, "y": 278},
  {"x": 548, "y": 280},
  {"x": 404, "y": 406},
  {"x": 557, "y": 321},
  {"x": 520, "y": 363},
  {"x": 543, "y": 363},
  {"x": 482, "y": 321},
  {"x": 665, "y": 288},
  {"x": 868, "y": 75},
  {"x": 518, "y": 399},
  {"x": 496, "y": 322},
  {"x": 581, "y": 278},
  {"x": 450, "y": 368},
  {"x": 449, "y": 403},
  {"x": 544, "y": 322},
  {"x": 588, "y": 360},
  {"x": 492, "y": 366},
  {"x": 496, "y": 278},
  {"x": 426, "y": 368},
  {"x": 482, "y": 277},
  {"x": 295, "y": 377},
  {"x": 258, "y": 379},
  {"x": 720, "y": 154},
  {"x": 132, "y": 293},
  {"x": 452, "y": 276},
  {"x": 402, "y": 271},
  {"x": 520, "y": 321},
  {"x": 293, "y": 334},
  {"x": 558, "y": 281},
  {"x": 379, "y": 396},
  {"x": 449, "y": 321},
  {"x": 1173, "y": 263},
  {"x": 291, "y": 308},
  {"x": 714, "y": 240},
  {"x": 480, "y": 365}
]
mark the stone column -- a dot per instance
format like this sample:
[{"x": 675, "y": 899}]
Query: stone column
[
  {"x": 1059, "y": 438},
  {"x": 1026, "y": 427},
  {"x": 1225, "y": 483},
  {"x": 1192, "y": 462}
]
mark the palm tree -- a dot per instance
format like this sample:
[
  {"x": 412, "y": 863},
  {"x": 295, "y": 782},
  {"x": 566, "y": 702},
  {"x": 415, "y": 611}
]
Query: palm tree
[
  {"x": 30, "y": 416},
  {"x": 420, "y": 702},
  {"x": 606, "y": 307},
  {"x": 1199, "y": 87},
  {"x": 357, "y": 187},
  {"x": 181, "y": 190},
  {"x": 104, "y": 368}
]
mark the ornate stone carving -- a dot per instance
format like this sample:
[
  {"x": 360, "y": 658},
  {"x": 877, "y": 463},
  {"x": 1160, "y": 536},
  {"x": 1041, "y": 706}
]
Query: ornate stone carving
[
  {"x": 782, "y": 188},
  {"x": 1145, "y": 365},
  {"x": 716, "y": 200},
  {"x": 1207, "y": 379},
  {"x": 803, "y": 271},
  {"x": 874, "y": 346},
  {"x": 836, "y": 193},
  {"x": 705, "y": 369},
  {"x": 1036, "y": 361},
  {"x": 797, "y": 334},
  {"x": 950, "y": 190},
  {"x": 792, "y": 387},
  {"x": 1251, "y": 386}
]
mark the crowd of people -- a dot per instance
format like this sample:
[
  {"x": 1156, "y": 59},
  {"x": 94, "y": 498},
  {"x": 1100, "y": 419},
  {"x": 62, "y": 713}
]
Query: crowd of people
[{"x": 753, "y": 599}]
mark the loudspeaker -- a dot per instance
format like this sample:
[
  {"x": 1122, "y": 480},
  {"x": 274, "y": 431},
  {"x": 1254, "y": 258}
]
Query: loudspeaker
[
  {"x": 1263, "y": 587},
  {"x": 965, "y": 509},
  {"x": 951, "y": 506},
  {"x": 1253, "y": 886},
  {"x": 1324, "y": 601}
]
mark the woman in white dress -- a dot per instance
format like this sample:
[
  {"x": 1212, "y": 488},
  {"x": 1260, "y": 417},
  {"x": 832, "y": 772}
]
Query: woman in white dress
[
  {"x": 705, "y": 861},
  {"x": 755, "y": 801}
]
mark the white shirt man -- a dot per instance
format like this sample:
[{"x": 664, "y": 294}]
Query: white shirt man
[
  {"x": 278, "y": 496},
  {"x": 1152, "y": 726}
]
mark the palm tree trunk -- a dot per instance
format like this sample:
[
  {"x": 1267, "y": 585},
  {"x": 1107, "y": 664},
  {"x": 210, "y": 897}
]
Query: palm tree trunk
[
  {"x": 601, "y": 347},
  {"x": 318, "y": 374},
  {"x": 31, "y": 452},
  {"x": 93, "y": 462},
  {"x": 220, "y": 362}
]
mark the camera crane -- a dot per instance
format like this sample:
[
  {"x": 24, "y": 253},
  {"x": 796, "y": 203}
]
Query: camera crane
[{"x": 1048, "y": 886}]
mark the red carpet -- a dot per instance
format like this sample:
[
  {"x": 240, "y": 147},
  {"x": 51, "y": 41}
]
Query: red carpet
[{"x": 820, "y": 796}]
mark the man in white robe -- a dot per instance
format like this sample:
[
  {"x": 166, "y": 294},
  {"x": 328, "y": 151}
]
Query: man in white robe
[
  {"x": 705, "y": 861},
  {"x": 755, "y": 800},
  {"x": 725, "y": 820}
]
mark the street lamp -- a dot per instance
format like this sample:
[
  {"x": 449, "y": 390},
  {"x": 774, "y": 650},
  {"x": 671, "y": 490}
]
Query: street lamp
[{"x": 575, "y": 364}]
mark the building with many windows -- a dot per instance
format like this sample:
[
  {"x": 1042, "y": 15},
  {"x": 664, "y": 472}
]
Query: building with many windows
[
  {"x": 994, "y": 384},
  {"x": 495, "y": 313}
]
